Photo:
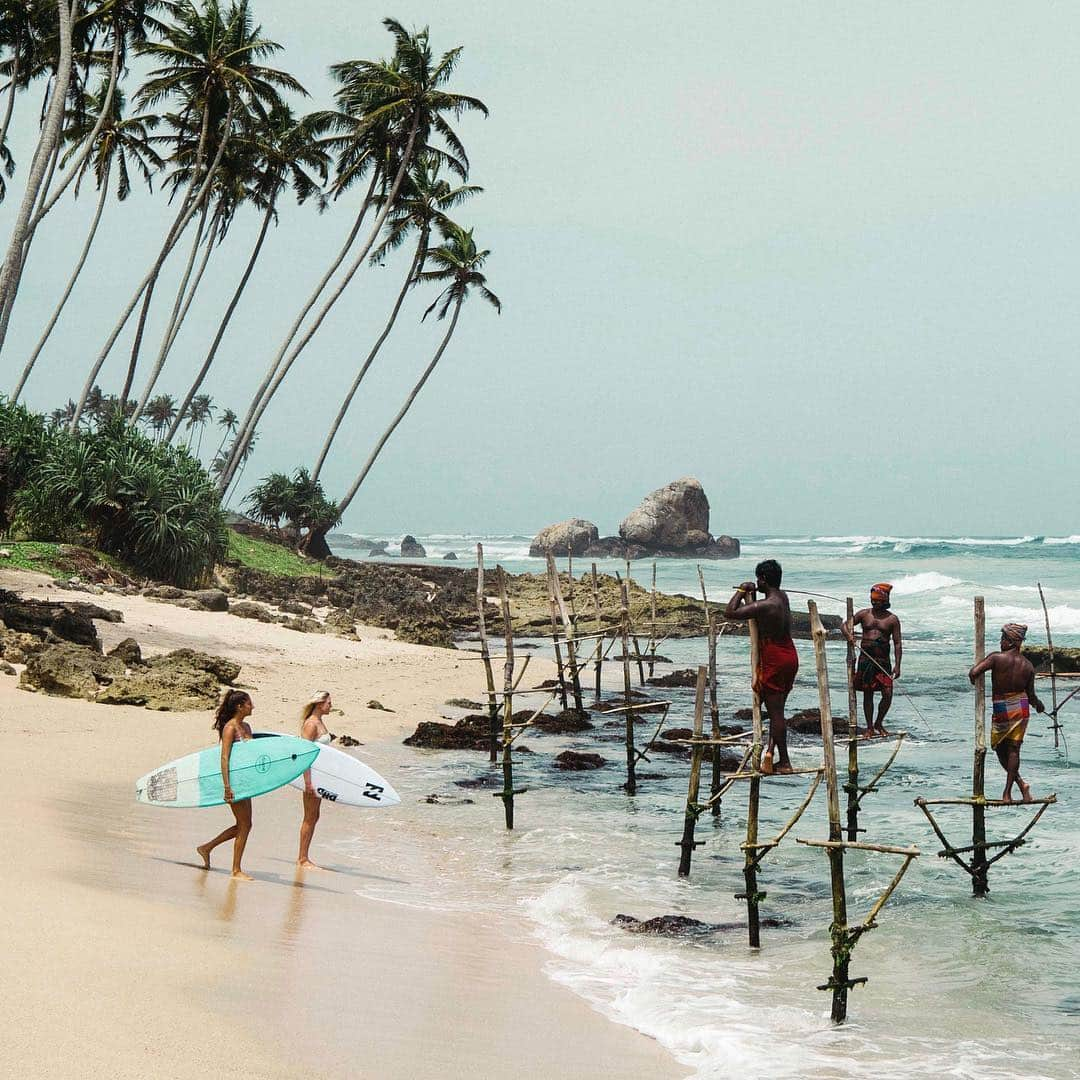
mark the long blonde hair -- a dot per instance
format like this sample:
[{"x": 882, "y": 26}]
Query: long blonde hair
[{"x": 309, "y": 706}]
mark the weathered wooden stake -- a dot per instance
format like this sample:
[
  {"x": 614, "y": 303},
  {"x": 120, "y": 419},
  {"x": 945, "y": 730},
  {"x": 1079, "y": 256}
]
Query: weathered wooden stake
[
  {"x": 652, "y": 624},
  {"x": 750, "y": 853},
  {"x": 633, "y": 636},
  {"x": 693, "y": 810},
  {"x": 507, "y": 793},
  {"x": 1053, "y": 671},
  {"x": 852, "y": 786},
  {"x": 599, "y": 634},
  {"x": 631, "y": 756},
  {"x": 485, "y": 653},
  {"x": 568, "y": 630},
  {"x": 979, "y": 884},
  {"x": 555, "y": 635}
]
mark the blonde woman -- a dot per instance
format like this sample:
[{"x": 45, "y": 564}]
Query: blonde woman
[{"x": 312, "y": 728}]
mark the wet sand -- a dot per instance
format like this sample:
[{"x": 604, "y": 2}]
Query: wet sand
[{"x": 126, "y": 959}]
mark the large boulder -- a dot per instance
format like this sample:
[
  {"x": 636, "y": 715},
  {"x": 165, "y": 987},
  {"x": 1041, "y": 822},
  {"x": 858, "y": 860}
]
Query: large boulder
[
  {"x": 196, "y": 599},
  {"x": 675, "y": 516},
  {"x": 574, "y": 535},
  {"x": 180, "y": 681},
  {"x": 54, "y": 621},
  {"x": 411, "y": 548},
  {"x": 69, "y": 670}
]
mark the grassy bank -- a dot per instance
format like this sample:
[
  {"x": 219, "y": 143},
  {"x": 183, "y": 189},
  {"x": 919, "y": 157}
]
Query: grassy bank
[{"x": 271, "y": 558}]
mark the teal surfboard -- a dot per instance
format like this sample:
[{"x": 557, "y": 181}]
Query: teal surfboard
[{"x": 255, "y": 767}]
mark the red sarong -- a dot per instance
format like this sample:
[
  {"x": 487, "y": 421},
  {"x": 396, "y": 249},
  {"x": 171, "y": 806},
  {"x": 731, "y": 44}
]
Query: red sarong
[{"x": 778, "y": 664}]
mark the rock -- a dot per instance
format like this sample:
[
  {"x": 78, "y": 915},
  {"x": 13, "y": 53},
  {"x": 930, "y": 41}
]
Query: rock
[
  {"x": 472, "y": 732},
  {"x": 451, "y": 556},
  {"x": 17, "y": 647},
  {"x": 682, "y": 925},
  {"x": 667, "y": 517},
  {"x": 808, "y": 722},
  {"x": 245, "y": 609},
  {"x": 566, "y": 721},
  {"x": 1064, "y": 659},
  {"x": 460, "y": 703},
  {"x": 303, "y": 625},
  {"x": 678, "y": 733},
  {"x": 341, "y": 623},
  {"x": 682, "y": 677},
  {"x": 488, "y": 780},
  {"x": 196, "y": 599},
  {"x": 224, "y": 670},
  {"x": 5, "y": 553},
  {"x": 127, "y": 651},
  {"x": 575, "y": 535},
  {"x": 181, "y": 681},
  {"x": 69, "y": 670},
  {"x": 6, "y": 668},
  {"x": 411, "y": 548},
  {"x": 378, "y": 706},
  {"x": 662, "y": 747},
  {"x": 577, "y": 762},
  {"x": 348, "y": 740},
  {"x": 447, "y": 800},
  {"x": 426, "y": 630},
  {"x": 633, "y": 658},
  {"x": 55, "y": 621},
  {"x": 294, "y": 607}
]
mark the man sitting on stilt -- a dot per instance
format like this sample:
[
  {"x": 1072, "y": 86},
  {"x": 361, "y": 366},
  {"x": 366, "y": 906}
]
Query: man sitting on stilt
[
  {"x": 873, "y": 672},
  {"x": 1012, "y": 680},
  {"x": 778, "y": 662}
]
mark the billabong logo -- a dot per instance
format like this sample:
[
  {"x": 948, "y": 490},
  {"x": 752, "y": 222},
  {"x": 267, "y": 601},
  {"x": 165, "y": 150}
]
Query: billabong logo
[{"x": 373, "y": 791}]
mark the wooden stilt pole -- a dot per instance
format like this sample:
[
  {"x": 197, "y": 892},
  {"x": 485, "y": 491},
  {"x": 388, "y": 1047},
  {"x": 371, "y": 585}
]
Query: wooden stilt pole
[
  {"x": 599, "y": 635},
  {"x": 485, "y": 653},
  {"x": 750, "y": 854},
  {"x": 1053, "y": 671},
  {"x": 852, "y": 786},
  {"x": 633, "y": 636},
  {"x": 693, "y": 809},
  {"x": 652, "y": 624},
  {"x": 568, "y": 630},
  {"x": 717, "y": 781},
  {"x": 979, "y": 884},
  {"x": 631, "y": 756},
  {"x": 508, "y": 792},
  {"x": 555, "y": 634}
]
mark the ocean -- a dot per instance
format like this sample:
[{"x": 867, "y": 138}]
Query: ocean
[{"x": 957, "y": 987}]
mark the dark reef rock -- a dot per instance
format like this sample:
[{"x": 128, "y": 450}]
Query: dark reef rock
[
  {"x": 682, "y": 677},
  {"x": 574, "y": 761},
  {"x": 51, "y": 621},
  {"x": 569, "y": 720},
  {"x": 411, "y": 548}
]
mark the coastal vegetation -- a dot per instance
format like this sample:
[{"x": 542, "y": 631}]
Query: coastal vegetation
[{"x": 191, "y": 99}]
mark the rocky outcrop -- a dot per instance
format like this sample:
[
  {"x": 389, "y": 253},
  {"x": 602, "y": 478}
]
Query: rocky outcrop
[
  {"x": 52, "y": 621},
  {"x": 682, "y": 677},
  {"x": 195, "y": 599},
  {"x": 565, "y": 722},
  {"x": 575, "y": 535},
  {"x": 681, "y": 925},
  {"x": 69, "y": 670},
  {"x": 573, "y": 761},
  {"x": 245, "y": 609},
  {"x": 128, "y": 652},
  {"x": 450, "y": 556},
  {"x": 1064, "y": 659},
  {"x": 674, "y": 521},
  {"x": 808, "y": 722},
  {"x": 411, "y": 548},
  {"x": 425, "y": 630}
]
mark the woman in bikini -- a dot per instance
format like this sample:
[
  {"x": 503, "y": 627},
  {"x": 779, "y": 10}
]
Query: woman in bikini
[
  {"x": 230, "y": 722},
  {"x": 313, "y": 728}
]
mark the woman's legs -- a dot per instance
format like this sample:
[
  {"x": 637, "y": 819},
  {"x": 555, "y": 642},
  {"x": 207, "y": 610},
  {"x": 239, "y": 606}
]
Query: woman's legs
[
  {"x": 205, "y": 849},
  {"x": 312, "y": 807},
  {"x": 242, "y": 812}
]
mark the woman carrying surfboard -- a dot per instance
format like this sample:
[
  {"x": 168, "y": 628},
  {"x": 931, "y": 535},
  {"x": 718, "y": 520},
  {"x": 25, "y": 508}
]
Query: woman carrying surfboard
[
  {"x": 230, "y": 722},
  {"x": 314, "y": 730}
]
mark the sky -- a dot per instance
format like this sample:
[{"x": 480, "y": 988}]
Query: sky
[{"x": 822, "y": 256}]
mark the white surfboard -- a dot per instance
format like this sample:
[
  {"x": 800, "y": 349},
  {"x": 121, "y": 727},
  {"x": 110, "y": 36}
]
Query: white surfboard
[{"x": 341, "y": 778}]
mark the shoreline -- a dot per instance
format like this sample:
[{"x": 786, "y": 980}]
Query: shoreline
[{"x": 122, "y": 948}]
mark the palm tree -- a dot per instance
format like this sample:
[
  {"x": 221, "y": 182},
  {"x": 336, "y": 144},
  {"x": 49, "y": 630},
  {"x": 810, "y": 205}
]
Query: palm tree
[
  {"x": 402, "y": 103},
  {"x": 458, "y": 263},
  {"x": 423, "y": 203},
  {"x": 199, "y": 415},
  {"x": 227, "y": 421},
  {"x": 209, "y": 64},
  {"x": 160, "y": 412},
  {"x": 23, "y": 25},
  {"x": 284, "y": 150},
  {"x": 124, "y": 142}
]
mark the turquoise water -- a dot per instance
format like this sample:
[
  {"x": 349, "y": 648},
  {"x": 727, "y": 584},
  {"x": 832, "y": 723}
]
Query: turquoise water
[{"x": 958, "y": 987}]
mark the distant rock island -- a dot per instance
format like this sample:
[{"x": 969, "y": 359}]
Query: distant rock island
[{"x": 671, "y": 522}]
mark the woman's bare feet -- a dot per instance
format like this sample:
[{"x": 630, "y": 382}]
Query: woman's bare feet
[
  {"x": 239, "y": 875},
  {"x": 204, "y": 854},
  {"x": 307, "y": 864}
]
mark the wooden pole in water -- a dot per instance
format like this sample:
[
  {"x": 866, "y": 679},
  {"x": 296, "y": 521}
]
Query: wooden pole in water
[
  {"x": 485, "y": 652},
  {"x": 555, "y": 633},
  {"x": 752, "y": 896},
  {"x": 507, "y": 793},
  {"x": 599, "y": 633},
  {"x": 652, "y": 624},
  {"x": 852, "y": 786},
  {"x": 633, "y": 636},
  {"x": 979, "y": 866},
  {"x": 1053, "y": 670},
  {"x": 841, "y": 945},
  {"x": 714, "y": 716},
  {"x": 688, "y": 843},
  {"x": 631, "y": 755},
  {"x": 568, "y": 630}
]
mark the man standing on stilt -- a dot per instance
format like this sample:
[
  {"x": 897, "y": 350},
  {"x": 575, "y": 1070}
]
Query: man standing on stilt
[
  {"x": 873, "y": 671},
  {"x": 1012, "y": 680},
  {"x": 778, "y": 662}
]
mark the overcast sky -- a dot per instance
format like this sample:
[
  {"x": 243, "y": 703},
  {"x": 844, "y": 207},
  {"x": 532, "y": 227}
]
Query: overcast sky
[{"x": 822, "y": 256}]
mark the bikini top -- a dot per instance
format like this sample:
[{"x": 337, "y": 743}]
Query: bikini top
[{"x": 324, "y": 738}]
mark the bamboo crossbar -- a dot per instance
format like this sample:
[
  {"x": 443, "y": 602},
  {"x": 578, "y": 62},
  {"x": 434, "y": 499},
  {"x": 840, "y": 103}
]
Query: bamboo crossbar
[
  {"x": 775, "y": 841},
  {"x": 970, "y": 801},
  {"x": 868, "y": 922},
  {"x": 774, "y": 775},
  {"x": 723, "y": 740},
  {"x": 859, "y": 845},
  {"x": 953, "y": 851},
  {"x": 728, "y": 784},
  {"x": 648, "y": 746},
  {"x": 883, "y": 770},
  {"x": 636, "y": 708},
  {"x": 531, "y": 720}
]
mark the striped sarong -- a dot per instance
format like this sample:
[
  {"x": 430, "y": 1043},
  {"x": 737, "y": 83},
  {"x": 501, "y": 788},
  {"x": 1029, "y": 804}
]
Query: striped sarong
[{"x": 1010, "y": 722}]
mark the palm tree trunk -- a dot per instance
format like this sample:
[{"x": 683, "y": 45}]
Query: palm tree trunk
[
  {"x": 50, "y": 136},
  {"x": 223, "y": 325},
  {"x": 418, "y": 258},
  {"x": 70, "y": 285},
  {"x": 186, "y": 214},
  {"x": 10, "y": 107},
  {"x": 175, "y": 317},
  {"x": 344, "y": 504},
  {"x": 246, "y": 428},
  {"x": 388, "y": 203}
]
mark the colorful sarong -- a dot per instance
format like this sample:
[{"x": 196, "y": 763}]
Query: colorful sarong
[
  {"x": 778, "y": 664},
  {"x": 872, "y": 672},
  {"x": 1011, "y": 713}
]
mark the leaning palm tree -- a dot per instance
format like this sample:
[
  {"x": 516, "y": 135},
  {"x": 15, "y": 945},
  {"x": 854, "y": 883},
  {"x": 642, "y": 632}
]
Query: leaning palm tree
[
  {"x": 200, "y": 414},
  {"x": 405, "y": 102},
  {"x": 209, "y": 64},
  {"x": 422, "y": 206},
  {"x": 284, "y": 151},
  {"x": 123, "y": 143},
  {"x": 458, "y": 263},
  {"x": 160, "y": 412},
  {"x": 227, "y": 421}
]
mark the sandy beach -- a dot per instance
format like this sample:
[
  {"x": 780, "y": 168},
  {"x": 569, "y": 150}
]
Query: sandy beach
[{"x": 125, "y": 959}]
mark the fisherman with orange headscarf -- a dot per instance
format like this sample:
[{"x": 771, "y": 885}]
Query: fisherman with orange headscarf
[
  {"x": 1012, "y": 681},
  {"x": 873, "y": 672}
]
